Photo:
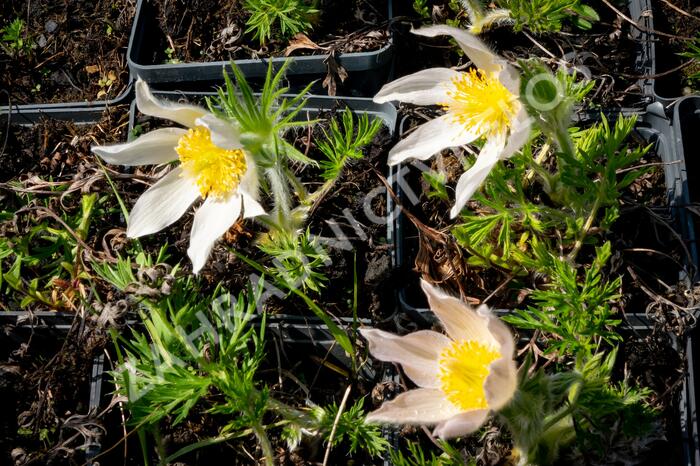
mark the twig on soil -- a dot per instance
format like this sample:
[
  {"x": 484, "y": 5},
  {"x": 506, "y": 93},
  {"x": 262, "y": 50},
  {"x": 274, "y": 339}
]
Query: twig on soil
[
  {"x": 642, "y": 28},
  {"x": 659, "y": 75},
  {"x": 661, "y": 299},
  {"x": 539, "y": 46},
  {"x": 341, "y": 408},
  {"x": 58, "y": 218},
  {"x": 680, "y": 10},
  {"x": 499, "y": 288}
]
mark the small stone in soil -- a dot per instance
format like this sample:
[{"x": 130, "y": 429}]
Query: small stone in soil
[
  {"x": 50, "y": 26},
  {"x": 59, "y": 78},
  {"x": 41, "y": 41}
]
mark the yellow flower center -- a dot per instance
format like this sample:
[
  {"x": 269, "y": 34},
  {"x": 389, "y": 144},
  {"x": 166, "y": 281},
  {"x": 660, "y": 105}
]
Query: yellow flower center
[
  {"x": 481, "y": 103},
  {"x": 464, "y": 366},
  {"x": 216, "y": 171}
]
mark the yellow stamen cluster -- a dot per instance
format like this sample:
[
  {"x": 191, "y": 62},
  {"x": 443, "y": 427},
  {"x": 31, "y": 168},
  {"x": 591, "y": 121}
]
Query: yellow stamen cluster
[
  {"x": 464, "y": 366},
  {"x": 481, "y": 103},
  {"x": 217, "y": 171}
]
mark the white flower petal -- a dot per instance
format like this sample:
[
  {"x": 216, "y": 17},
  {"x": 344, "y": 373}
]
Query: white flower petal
[
  {"x": 249, "y": 182},
  {"x": 211, "y": 221},
  {"x": 461, "y": 424},
  {"x": 152, "y": 148},
  {"x": 430, "y": 138},
  {"x": 510, "y": 78},
  {"x": 501, "y": 383},
  {"x": 470, "y": 180},
  {"x": 223, "y": 133},
  {"x": 476, "y": 50},
  {"x": 184, "y": 114},
  {"x": 251, "y": 207},
  {"x": 461, "y": 322},
  {"x": 519, "y": 133},
  {"x": 418, "y": 407},
  {"x": 426, "y": 87},
  {"x": 418, "y": 353},
  {"x": 162, "y": 204},
  {"x": 499, "y": 330}
]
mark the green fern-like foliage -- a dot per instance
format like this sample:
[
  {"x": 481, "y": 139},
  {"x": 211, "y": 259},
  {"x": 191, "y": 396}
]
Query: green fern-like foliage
[
  {"x": 352, "y": 429},
  {"x": 415, "y": 456},
  {"x": 343, "y": 144},
  {"x": 14, "y": 39},
  {"x": 285, "y": 17},
  {"x": 543, "y": 16}
]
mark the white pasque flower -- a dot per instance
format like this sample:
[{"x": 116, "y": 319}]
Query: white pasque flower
[
  {"x": 462, "y": 375},
  {"x": 480, "y": 103},
  {"x": 213, "y": 166}
]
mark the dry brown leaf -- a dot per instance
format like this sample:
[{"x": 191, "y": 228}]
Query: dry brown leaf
[
  {"x": 335, "y": 72},
  {"x": 301, "y": 41}
]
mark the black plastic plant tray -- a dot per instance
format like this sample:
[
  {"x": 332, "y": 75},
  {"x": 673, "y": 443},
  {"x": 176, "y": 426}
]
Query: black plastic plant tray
[
  {"x": 367, "y": 71},
  {"x": 686, "y": 125},
  {"x": 78, "y": 113},
  {"x": 654, "y": 59},
  {"x": 686, "y": 128},
  {"x": 63, "y": 110},
  {"x": 690, "y": 400},
  {"x": 641, "y": 14},
  {"x": 315, "y": 104}
]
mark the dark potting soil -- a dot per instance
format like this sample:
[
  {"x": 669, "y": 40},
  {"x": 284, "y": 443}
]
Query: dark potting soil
[
  {"x": 214, "y": 30},
  {"x": 45, "y": 387},
  {"x": 684, "y": 26},
  {"x": 355, "y": 206},
  {"x": 606, "y": 53},
  {"x": 72, "y": 51}
]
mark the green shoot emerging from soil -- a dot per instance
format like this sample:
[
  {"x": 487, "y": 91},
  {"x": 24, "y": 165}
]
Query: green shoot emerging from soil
[
  {"x": 278, "y": 18},
  {"x": 15, "y": 40}
]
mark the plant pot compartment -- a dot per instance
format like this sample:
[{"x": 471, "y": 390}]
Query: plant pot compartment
[
  {"x": 660, "y": 82},
  {"x": 76, "y": 61},
  {"x": 47, "y": 378},
  {"x": 368, "y": 71},
  {"x": 291, "y": 341},
  {"x": 686, "y": 125},
  {"x": 373, "y": 253},
  {"x": 653, "y": 126}
]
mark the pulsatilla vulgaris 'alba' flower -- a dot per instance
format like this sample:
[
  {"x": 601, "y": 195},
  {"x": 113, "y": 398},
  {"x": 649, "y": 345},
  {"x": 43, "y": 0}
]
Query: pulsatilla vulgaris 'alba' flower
[
  {"x": 213, "y": 166},
  {"x": 479, "y": 103},
  {"x": 462, "y": 375}
]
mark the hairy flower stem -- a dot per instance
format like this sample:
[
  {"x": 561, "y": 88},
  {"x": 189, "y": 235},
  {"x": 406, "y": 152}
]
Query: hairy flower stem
[
  {"x": 564, "y": 141},
  {"x": 282, "y": 199},
  {"x": 259, "y": 431}
]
